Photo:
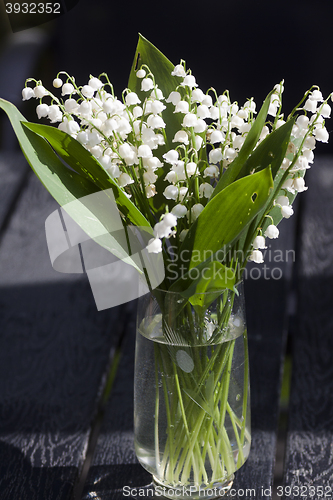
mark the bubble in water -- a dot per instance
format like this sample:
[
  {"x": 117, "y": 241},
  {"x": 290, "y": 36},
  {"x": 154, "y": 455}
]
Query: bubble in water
[{"x": 184, "y": 360}]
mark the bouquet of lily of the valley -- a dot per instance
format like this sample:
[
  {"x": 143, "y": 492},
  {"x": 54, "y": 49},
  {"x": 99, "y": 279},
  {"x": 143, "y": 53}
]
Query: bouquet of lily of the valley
[{"x": 207, "y": 179}]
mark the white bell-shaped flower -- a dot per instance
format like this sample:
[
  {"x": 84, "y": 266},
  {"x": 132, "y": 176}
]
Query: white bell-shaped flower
[
  {"x": 149, "y": 177},
  {"x": 197, "y": 95},
  {"x": 124, "y": 179},
  {"x": 171, "y": 156},
  {"x": 27, "y": 93},
  {"x": 131, "y": 99},
  {"x": 174, "y": 97},
  {"x": 144, "y": 151},
  {"x": 259, "y": 242},
  {"x": 190, "y": 120},
  {"x": 55, "y": 114},
  {"x": 325, "y": 110},
  {"x": 171, "y": 192},
  {"x": 157, "y": 107},
  {"x": 215, "y": 155},
  {"x": 181, "y": 136},
  {"x": 155, "y": 121},
  {"x": 316, "y": 95},
  {"x": 205, "y": 190},
  {"x": 88, "y": 91},
  {"x": 150, "y": 190},
  {"x": 321, "y": 134},
  {"x": 67, "y": 89},
  {"x": 71, "y": 106},
  {"x": 179, "y": 210},
  {"x": 211, "y": 171},
  {"x": 189, "y": 81},
  {"x": 196, "y": 211},
  {"x": 178, "y": 70},
  {"x": 182, "y": 107},
  {"x": 282, "y": 200},
  {"x": 82, "y": 137},
  {"x": 42, "y": 110},
  {"x": 256, "y": 256},
  {"x": 154, "y": 245},
  {"x": 40, "y": 91},
  {"x": 216, "y": 136},
  {"x": 299, "y": 184},
  {"x": 203, "y": 111},
  {"x": 95, "y": 83},
  {"x": 182, "y": 193},
  {"x": 287, "y": 211},
  {"x": 310, "y": 105},
  {"x": 191, "y": 168},
  {"x": 147, "y": 84},
  {"x": 272, "y": 232},
  {"x": 200, "y": 126}
]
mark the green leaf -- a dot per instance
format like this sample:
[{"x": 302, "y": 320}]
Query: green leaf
[
  {"x": 270, "y": 152},
  {"x": 85, "y": 164},
  {"x": 227, "y": 215},
  {"x": 234, "y": 169},
  {"x": 146, "y": 53},
  {"x": 202, "y": 284},
  {"x": 68, "y": 188}
]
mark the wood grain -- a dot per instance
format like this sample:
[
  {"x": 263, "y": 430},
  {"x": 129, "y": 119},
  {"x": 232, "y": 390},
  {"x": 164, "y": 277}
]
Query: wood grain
[
  {"x": 54, "y": 348},
  {"x": 115, "y": 466},
  {"x": 13, "y": 175},
  {"x": 309, "y": 453}
]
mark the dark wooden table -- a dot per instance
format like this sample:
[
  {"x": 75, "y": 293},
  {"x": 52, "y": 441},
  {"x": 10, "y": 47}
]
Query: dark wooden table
[{"x": 66, "y": 370}]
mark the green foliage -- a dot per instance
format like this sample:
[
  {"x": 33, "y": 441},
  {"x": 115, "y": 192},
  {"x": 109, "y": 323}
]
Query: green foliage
[{"x": 227, "y": 215}]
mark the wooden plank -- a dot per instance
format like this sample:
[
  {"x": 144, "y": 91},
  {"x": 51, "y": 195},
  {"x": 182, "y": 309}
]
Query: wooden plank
[
  {"x": 115, "y": 465},
  {"x": 309, "y": 455},
  {"x": 54, "y": 348},
  {"x": 13, "y": 175}
]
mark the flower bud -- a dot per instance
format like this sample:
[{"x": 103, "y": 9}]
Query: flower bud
[
  {"x": 141, "y": 73},
  {"x": 57, "y": 83}
]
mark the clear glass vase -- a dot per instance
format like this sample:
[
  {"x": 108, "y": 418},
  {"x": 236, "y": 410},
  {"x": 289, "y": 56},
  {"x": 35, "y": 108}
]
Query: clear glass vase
[{"x": 191, "y": 391}]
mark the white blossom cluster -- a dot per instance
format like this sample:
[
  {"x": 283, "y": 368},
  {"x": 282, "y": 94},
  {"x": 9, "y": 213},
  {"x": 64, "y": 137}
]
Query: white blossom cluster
[
  {"x": 306, "y": 131},
  {"x": 127, "y": 136}
]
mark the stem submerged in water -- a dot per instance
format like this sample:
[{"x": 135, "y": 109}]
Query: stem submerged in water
[{"x": 201, "y": 415}]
